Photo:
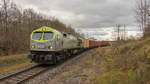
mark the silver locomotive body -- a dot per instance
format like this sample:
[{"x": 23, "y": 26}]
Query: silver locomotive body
[{"x": 51, "y": 50}]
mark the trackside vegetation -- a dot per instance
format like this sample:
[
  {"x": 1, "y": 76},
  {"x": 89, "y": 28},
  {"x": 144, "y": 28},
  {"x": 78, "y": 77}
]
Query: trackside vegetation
[
  {"x": 126, "y": 64},
  {"x": 13, "y": 62}
]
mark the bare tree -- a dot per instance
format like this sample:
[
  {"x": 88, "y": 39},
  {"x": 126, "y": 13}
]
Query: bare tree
[
  {"x": 143, "y": 12},
  {"x": 119, "y": 33}
]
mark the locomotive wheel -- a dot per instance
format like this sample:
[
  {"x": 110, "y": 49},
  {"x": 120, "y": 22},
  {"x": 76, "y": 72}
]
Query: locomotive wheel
[{"x": 54, "y": 58}]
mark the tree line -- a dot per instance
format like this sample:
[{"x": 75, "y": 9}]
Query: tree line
[{"x": 16, "y": 25}]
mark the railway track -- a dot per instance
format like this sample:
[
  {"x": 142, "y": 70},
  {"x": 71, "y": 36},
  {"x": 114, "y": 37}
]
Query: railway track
[{"x": 21, "y": 76}]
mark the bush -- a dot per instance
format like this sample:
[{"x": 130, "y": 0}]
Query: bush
[{"x": 130, "y": 64}]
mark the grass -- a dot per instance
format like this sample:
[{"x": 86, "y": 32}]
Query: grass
[
  {"x": 126, "y": 64},
  {"x": 83, "y": 75},
  {"x": 13, "y": 62}
]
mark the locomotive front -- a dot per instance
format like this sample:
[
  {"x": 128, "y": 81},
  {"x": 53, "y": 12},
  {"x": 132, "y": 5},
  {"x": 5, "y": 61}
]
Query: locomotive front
[
  {"x": 43, "y": 44},
  {"x": 42, "y": 40}
]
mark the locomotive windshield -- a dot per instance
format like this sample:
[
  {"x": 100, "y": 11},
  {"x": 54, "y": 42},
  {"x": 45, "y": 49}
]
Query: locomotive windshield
[
  {"x": 47, "y": 35},
  {"x": 37, "y": 36}
]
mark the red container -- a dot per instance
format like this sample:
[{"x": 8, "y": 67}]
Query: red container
[{"x": 91, "y": 43}]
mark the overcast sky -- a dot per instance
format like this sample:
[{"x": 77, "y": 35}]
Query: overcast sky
[
  {"x": 93, "y": 18},
  {"x": 85, "y": 13}
]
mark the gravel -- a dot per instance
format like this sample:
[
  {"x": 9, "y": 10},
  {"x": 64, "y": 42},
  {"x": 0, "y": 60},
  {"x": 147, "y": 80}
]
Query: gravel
[{"x": 73, "y": 71}]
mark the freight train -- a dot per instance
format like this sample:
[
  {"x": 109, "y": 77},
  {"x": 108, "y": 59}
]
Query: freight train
[{"x": 48, "y": 46}]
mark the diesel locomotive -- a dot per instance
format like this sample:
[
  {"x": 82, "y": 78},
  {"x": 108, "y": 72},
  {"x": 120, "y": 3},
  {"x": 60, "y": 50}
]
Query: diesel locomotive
[{"x": 48, "y": 45}]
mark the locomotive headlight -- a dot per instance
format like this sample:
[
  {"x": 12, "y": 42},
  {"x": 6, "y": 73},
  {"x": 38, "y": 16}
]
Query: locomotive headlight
[
  {"x": 50, "y": 47},
  {"x": 44, "y": 29},
  {"x": 33, "y": 46}
]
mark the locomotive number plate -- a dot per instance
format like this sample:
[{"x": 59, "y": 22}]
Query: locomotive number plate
[{"x": 41, "y": 46}]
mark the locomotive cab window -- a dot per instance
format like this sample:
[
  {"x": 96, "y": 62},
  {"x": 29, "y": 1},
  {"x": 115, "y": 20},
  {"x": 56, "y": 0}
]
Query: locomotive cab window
[
  {"x": 48, "y": 35},
  {"x": 37, "y": 35}
]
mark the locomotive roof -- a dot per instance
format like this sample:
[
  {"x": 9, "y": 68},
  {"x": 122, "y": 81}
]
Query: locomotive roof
[{"x": 45, "y": 28}]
